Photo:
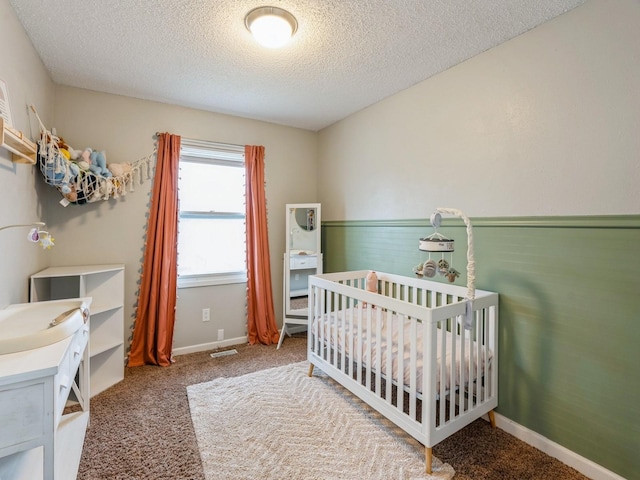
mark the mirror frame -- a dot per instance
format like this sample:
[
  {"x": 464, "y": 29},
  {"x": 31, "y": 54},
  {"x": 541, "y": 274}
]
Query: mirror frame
[{"x": 314, "y": 236}]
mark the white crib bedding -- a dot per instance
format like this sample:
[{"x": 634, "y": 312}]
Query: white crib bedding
[{"x": 332, "y": 331}]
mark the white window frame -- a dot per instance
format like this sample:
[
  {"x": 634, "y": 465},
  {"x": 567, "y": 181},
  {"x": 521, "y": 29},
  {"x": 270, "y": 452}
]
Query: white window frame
[{"x": 221, "y": 154}]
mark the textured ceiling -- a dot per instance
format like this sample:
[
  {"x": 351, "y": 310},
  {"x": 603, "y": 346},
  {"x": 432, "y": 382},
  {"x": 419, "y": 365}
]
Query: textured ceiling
[{"x": 345, "y": 56}]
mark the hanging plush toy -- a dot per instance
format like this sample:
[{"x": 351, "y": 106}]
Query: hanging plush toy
[
  {"x": 452, "y": 274},
  {"x": 99, "y": 163},
  {"x": 120, "y": 169},
  {"x": 429, "y": 269}
]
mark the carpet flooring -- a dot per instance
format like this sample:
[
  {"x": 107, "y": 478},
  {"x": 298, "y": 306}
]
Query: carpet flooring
[{"x": 141, "y": 428}]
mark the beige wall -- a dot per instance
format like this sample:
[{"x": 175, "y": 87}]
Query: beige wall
[
  {"x": 544, "y": 124},
  {"x": 112, "y": 231},
  {"x": 27, "y": 82}
]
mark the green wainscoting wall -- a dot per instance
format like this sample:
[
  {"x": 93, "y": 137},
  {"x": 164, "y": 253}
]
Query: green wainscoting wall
[{"x": 569, "y": 316}]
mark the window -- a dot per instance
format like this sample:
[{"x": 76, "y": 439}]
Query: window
[{"x": 211, "y": 229}]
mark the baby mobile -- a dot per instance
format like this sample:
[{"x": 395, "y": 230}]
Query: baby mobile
[{"x": 439, "y": 245}]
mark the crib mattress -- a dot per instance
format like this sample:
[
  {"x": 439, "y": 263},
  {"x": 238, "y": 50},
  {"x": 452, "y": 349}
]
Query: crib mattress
[{"x": 349, "y": 329}]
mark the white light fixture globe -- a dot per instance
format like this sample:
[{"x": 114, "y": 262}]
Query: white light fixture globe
[{"x": 272, "y": 27}]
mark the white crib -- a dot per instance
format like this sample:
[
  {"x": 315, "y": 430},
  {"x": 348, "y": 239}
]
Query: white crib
[{"x": 405, "y": 350}]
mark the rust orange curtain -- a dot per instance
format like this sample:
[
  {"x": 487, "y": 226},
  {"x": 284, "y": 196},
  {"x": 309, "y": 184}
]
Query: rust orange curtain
[
  {"x": 153, "y": 331},
  {"x": 261, "y": 323}
]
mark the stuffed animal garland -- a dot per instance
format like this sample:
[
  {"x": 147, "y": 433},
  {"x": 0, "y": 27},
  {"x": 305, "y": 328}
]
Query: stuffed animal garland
[{"x": 80, "y": 174}]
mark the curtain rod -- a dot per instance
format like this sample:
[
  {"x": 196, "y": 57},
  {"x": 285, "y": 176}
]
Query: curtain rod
[{"x": 192, "y": 140}]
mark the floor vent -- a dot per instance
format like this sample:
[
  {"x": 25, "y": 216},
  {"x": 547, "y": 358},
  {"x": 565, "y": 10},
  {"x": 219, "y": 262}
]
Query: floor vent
[{"x": 224, "y": 353}]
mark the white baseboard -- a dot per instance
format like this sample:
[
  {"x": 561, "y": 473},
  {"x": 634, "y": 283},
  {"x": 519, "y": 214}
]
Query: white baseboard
[
  {"x": 209, "y": 346},
  {"x": 566, "y": 456},
  {"x": 226, "y": 343}
]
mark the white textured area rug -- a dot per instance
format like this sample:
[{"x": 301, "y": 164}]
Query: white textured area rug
[{"x": 281, "y": 424}]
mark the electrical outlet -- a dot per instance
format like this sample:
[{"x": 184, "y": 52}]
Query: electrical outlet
[
  {"x": 221, "y": 334},
  {"x": 206, "y": 314},
  {"x": 297, "y": 276}
]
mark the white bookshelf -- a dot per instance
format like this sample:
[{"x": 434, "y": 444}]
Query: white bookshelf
[{"x": 105, "y": 285}]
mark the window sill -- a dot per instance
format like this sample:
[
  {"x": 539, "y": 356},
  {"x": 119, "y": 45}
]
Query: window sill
[{"x": 211, "y": 280}]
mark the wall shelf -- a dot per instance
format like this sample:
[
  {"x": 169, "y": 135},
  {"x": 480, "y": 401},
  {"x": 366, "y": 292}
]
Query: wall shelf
[{"x": 23, "y": 150}]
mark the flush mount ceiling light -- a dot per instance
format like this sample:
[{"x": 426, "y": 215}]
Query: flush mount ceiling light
[{"x": 272, "y": 27}]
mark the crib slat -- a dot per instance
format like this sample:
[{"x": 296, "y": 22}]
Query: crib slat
[
  {"x": 478, "y": 357},
  {"x": 321, "y": 313},
  {"x": 377, "y": 368},
  {"x": 483, "y": 358},
  {"x": 334, "y": 318},
  {"x": 350, "y": 338},
  {"x": 325, "y": 331},
  {"x": 493, "y": 342},
  {"x": 326, "y": 352},
  {"x": 311, "y": 314},
  {"x": 413, "y": 368},
  {"x": 484, "y": 345},
  {"x": 343, "y": 320},
  {"x": 469, "y": 365},
  {"x": 368, "y": 337},
  {"x": 359, "y": 342},
  {"x": 453, "y": 367},
  {"x": 491, "y": 338},
  {"x": 389, "y": 350},
  {"x": 400, "y": 355},
  {"x": 336, "y": 332},
  {"x": 443, "y": 368},
  {"x": 464, "y": 368}
]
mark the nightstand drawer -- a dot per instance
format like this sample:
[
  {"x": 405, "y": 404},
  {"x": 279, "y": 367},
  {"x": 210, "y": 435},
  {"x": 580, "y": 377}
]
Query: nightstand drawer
[{"x": 299, "y": 262}]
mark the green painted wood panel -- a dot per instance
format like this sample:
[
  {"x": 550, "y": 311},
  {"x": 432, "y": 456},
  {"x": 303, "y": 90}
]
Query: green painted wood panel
[{"x": 569, "y": 317}]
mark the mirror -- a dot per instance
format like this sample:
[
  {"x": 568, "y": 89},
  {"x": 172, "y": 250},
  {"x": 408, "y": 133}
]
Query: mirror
[
  {"x": 305, "y": 218},
  {"x": 304, "y": 238},
  {"x": 302, "y": 257}
]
